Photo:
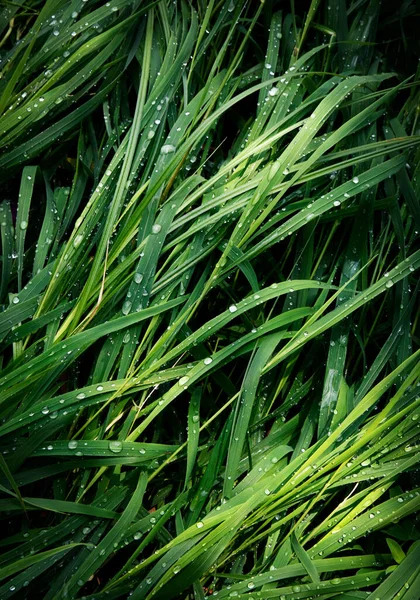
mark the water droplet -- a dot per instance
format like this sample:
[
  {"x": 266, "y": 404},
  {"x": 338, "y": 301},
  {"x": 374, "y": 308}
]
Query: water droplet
[
  {"x": 156, "y": 228},
  {"x": 115, "y": 446},
  {"x": 167, "y": 149},
  {"x": 273, "y": 92},
  {"x": 355, "y": 180},
  {"x": 126, "y": 307},
  {"x": 23, "y": 225},
  {"x": 208, "y": 360},
  {"x": 77, "y": 240},
  {"x": 138, "y": 277},
  {"x": 200, "y": 524},
  {"x": 183, "y": 380},
  {"x": 233, "y": 308},
  {"x": 389, "y": 283},
  {"x": 72, "y": 445}
]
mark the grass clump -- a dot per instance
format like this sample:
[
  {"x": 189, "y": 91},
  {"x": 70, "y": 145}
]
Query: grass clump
[{"x": 209, "y": 376}]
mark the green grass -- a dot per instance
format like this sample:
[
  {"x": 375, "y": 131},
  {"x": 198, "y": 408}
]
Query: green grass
[{"x": 209, "y": 300}]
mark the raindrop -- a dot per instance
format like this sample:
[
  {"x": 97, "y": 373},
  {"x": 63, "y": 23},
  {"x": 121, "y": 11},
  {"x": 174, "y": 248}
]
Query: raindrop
[
  {"x": 167, "y": 149},
  {"x": 77, "y": 240},
  {"x": 115, "y": 446},
  {"x": 126, "y": 307}
]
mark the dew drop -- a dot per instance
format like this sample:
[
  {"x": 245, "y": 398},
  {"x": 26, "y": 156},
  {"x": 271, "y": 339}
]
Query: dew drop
[
  {"x": 126, "y": 307},
  {"x": 115, "y": 446},
  {"x": 167, "y": 149}
]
